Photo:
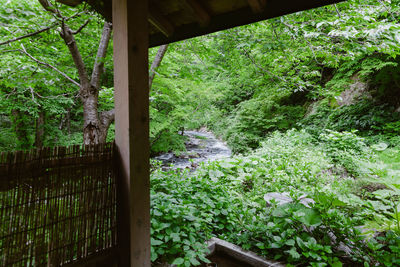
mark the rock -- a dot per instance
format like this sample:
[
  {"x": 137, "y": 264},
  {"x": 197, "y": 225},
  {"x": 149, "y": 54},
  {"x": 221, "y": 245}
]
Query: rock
[
  {"x": 356, "y": 90},
  {"x": 200, "y": 147},
  {"x": 284, "y": 198},
  {"x": 280, "y": 198},
  {"x": 181, "y": 156},
  {"x": 194, "y": 165},
  {"x": 194, "y": 155},
  {"x": 306, "y": 201}
]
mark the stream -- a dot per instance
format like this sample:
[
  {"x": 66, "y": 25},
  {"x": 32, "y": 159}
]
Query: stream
[{"x": 201, "y": 146}]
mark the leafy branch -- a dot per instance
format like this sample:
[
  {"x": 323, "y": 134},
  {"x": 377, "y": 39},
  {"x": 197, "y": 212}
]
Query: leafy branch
[{"x": 23, "y": 51}]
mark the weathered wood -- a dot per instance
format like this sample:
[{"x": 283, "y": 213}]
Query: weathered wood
[
  {"x": 132, "y": 130},
  {"x": 257, "y": 5},
  {"x": 157, "y": 19},
  {"x": 237, "y": 17},
  {"x": 223, "y": 15},
  {"x": 104, "y": 258},
  {"x": 202, "y": 15}
]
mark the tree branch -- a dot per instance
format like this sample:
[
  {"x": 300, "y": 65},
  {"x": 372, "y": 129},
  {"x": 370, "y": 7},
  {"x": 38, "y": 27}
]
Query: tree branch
[
  {"x": 156, "y": 63},
  {"x": 247, "y": 54},
  {"x": 48, "y": 65},
  {"x": 27, "y": 35},
  {"x": 312, "y": 51},
  {"x": 67, "y": 34},
  {"x": 69, "y": 39},
  {"x": 194, "y": 52},
  {"x": 43, "y": 30},
  {"x": 98, "y": 66},
  {"x": 337, "y": 11},
  {"x": 107, "y": 117},
  {"x": 81, "y": 27},
  {"x": 33, "y": 96},
  {"x": 49, "y": 7}
]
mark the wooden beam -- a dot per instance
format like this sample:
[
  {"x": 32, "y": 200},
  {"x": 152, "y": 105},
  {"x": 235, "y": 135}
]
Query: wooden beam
[
  {"x": 131, "y": 83},
  {"x": 242, "y": 16},
  {"x": 158, "y": 20},
  {"x": 257, "y": 6},
  {"x": 198, "y": 10}
]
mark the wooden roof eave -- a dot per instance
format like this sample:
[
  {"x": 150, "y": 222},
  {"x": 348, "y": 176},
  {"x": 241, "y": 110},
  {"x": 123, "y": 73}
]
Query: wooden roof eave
[
  {"x": 168, "y": 32},
  {"x": 243, "y": 16}
]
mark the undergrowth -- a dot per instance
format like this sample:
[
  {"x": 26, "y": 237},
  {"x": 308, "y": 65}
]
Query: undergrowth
[{"x": 351, "y": 216}]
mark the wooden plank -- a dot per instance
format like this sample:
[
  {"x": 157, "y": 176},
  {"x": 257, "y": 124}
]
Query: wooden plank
[
  {"x": 198, "y": 10},
  {"x": 103, "y": 258},
  {"x": 274, "y": 8},
  {"x": 159, "y": 21},
  {"x": 132, "y": 130},
  {"x": 257, "y": 5}
]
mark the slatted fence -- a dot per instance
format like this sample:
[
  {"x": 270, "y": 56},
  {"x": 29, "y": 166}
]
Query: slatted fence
[{"x": 57, "y": 205}]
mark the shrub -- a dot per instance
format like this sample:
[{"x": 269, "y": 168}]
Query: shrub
[{"x": 344, "y": 148}]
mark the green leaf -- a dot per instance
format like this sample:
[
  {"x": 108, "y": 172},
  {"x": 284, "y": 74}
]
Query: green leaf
[
  {"x": 293, "y": 253},
  {"x": 176, "y": 237},
  {"x": 311, "y": 218},
  {"x": 155, "y": 242},
  {"x": 194, "y": 261},
  {"x": 178, "y": 261},
  {"x": 337, "y": 264},
  {"x": 290, "y": 242}
]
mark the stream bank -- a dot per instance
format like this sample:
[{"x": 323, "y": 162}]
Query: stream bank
[{"x": 201, "y": 146}]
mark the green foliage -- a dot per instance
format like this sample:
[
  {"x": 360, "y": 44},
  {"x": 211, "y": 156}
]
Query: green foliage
[
  {"x": 391, "y": 128},
  {"x": 292, "y": 61},
  {"x": 242, "y": 83},
  {"x": 328, "y": 211},
  {"x": 365, "y": 116},
  {"x": 354, "y": 147},
  {"x": 28, "y": 89},
  {"x": 255, "y": 118},
  {"x": 250, "y": 85},
  {"x": 7, "y": 136},
  {"x": 387, "y": 249},
  {"x": 185, "y": 211}
]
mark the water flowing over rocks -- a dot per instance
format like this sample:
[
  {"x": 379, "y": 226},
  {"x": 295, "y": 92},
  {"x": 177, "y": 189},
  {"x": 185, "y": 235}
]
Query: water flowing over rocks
[{"x": 201, "y": 146}]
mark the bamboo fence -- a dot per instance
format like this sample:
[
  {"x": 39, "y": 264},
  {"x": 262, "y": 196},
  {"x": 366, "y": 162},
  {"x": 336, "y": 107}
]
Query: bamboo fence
[{"x": 57, "y": 205}]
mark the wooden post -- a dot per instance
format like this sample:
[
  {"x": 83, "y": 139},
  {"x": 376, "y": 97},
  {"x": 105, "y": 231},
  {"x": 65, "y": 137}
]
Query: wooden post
[{"x": 132, "y": 130}]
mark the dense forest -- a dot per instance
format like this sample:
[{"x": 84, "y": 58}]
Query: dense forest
[{"x": 309, "y": 103}]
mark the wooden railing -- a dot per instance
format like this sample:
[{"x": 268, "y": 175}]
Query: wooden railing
[{"x": 57, "y": 206}]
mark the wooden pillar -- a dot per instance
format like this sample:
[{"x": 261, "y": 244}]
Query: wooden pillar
[{"x": 132, "y": 130}]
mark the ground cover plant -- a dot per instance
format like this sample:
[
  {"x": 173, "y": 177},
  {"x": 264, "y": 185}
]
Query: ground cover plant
[{"x": 342, "y": 203}]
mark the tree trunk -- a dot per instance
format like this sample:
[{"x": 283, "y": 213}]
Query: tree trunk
[
  {"x": 91, "y": 124},
  {"x": 21, "y": 131},
  {"x": 39, "y": 130},
  {"x": 65, "y": 122},
  {"x": 95, "y": 124},
  {"x": 156, "y": 63}
]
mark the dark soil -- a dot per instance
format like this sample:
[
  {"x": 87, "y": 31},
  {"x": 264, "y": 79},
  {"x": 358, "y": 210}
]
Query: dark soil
[{"x": 220, "y": 259}]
